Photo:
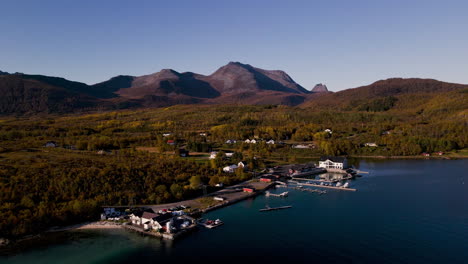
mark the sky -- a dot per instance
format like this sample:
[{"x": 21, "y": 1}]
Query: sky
[{"x": 343, "y": 44}]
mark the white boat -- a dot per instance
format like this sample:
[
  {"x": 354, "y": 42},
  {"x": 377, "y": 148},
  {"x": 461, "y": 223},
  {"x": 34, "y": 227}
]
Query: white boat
[
  {"x": 210, "y": 223},
  {"x": 338, "y": 184},
  {"x": 346, "y": 185}
]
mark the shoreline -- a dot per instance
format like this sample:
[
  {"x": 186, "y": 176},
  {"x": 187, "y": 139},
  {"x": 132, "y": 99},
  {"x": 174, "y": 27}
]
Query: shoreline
[
  {"x": 87, "y": 225},
  {"x": 408, "y": 157}
]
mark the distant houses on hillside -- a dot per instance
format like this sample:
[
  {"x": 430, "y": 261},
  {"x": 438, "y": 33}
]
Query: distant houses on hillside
[{"x": 234, "y": 167}]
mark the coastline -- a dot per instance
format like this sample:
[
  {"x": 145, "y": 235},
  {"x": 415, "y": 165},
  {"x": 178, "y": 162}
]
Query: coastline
[
  {"x": 87, "y": 225},
  {"x": 408, "y": 157}
]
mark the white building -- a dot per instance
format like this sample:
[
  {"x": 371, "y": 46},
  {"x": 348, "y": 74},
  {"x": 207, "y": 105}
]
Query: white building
[
  {"x": 370, "y": 144},
  {"x": 300, "y": 146},
  {"x": 213, "y": 155},
  {"x": 333, "y": 163},
  {"x": 242, "y": 164},
  {"x": 271, "y": 141},
  {"x": 230, "y": 168}
]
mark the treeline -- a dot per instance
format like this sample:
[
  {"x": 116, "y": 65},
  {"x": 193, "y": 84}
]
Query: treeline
[{"x": 51, "y": 189}]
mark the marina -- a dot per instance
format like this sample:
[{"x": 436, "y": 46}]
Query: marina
[{"x": 381, "y": 203}]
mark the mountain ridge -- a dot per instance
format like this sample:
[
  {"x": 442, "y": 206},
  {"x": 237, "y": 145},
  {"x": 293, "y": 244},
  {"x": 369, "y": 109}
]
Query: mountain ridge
[{"x": 233, "y": 83}]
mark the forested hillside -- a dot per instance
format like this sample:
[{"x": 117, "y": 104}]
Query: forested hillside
[{"x": 122, "y": 157}]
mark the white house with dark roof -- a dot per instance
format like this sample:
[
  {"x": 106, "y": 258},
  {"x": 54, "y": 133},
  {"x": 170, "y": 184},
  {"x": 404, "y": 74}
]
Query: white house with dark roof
[
  {"x": 230, "y": 168},
  {"x": 329, "y": 162}
]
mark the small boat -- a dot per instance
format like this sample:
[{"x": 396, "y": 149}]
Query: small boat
[
  {"x": 210, "y": 223},
  {"x": 346, "y": 185},
  {"x": 338, "y": 184}
]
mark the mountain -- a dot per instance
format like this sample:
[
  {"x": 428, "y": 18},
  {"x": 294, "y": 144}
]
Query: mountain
[
  {"x": 236, "y": 77},
  {"x": 320, "y": 88},
  {"x": 234, "y": 80},
  {"x": 385, "y": 94},
  {"x": 169, "y": 83},
  {"x": 23, "y": 95},
  {"x": 234, "y": 83}
]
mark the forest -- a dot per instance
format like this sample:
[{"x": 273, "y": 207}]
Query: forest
[{"x": 124, "y": 157}]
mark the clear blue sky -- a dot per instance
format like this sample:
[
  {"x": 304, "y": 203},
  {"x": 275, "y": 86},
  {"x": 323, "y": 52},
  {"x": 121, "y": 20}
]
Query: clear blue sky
[{"x": 344, "y": 44}]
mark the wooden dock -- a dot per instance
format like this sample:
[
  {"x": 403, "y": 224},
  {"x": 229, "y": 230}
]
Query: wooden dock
[
  {"x": 275, "y": 208},
  {"x": 329, "y": 187}
]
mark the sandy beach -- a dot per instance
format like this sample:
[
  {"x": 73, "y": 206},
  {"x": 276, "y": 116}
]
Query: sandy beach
[{"x": 88, "y": 225}]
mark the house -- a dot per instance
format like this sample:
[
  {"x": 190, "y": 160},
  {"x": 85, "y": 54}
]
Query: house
[
  {"x": 154, "y": 221},
  {"x": 167, "y": 134},
  {"x": 231, "y": 141},
  {"x": 300, "y": 146},
  {"x": 253, "y": 141},
  {"x": 242, "y": 164},
  {"x": 247, "y": 141},
  {"x": 440, "y": 153},
  {"x": 248, "y": 189},
  {"x": 204, "y": 134},
  {"x": 213, "y": 155},
  {"x": 171, "y": 142},
  {"x": 218, "y": 198},
  {"x": 267, "y": 178},
  {"x": 219, "y": 185},
  {"x": 230, "y": 168},
  {"x": 271, "y": 141},
  {"x": 51, "y": 144},
  {"x": 328, "y": 131},
  {"x": 329, "y": 162},
  {"x": 135, "y": 217},
  {"x": 229, "y": 154},
  {"x": 371, "y": 144},
  {"x": 425, "y": 154}
]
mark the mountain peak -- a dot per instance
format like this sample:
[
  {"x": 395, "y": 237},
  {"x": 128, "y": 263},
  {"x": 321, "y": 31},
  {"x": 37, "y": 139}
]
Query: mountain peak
[
  {"x": 320, "y": 88},
  {"x": 4, "y": 73}
]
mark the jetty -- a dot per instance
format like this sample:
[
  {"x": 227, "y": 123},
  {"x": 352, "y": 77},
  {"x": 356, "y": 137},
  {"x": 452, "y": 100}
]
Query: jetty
[
  {"x": 329, "y": 187},
  {"x": 309, "y": 190},
  {"x": 275, "y": 208},
  {"x": 283, "y": 194}
]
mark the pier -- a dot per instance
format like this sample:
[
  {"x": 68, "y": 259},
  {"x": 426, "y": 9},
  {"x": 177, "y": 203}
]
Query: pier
[
  {"x": 283, "y": 194},
  {"x": 329, "y": 187},
  {"x": 275, "y": 208}
]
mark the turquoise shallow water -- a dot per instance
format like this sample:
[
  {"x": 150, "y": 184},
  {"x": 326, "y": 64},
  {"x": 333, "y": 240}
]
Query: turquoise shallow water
[{"x": 405, "y": 211}]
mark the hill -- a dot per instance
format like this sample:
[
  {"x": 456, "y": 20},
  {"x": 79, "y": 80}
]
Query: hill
[{"x": 383, "y": 95}]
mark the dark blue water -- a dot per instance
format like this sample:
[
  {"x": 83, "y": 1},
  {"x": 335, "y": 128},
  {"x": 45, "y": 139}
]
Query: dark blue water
[{"x": 405, "y": 211}]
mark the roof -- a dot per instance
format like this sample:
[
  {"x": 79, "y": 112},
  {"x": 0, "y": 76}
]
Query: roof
[
  {"x": 148, "y": 215},
  {"x": 332, "y": 158},
  {"x": 163, "y": 217}
]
